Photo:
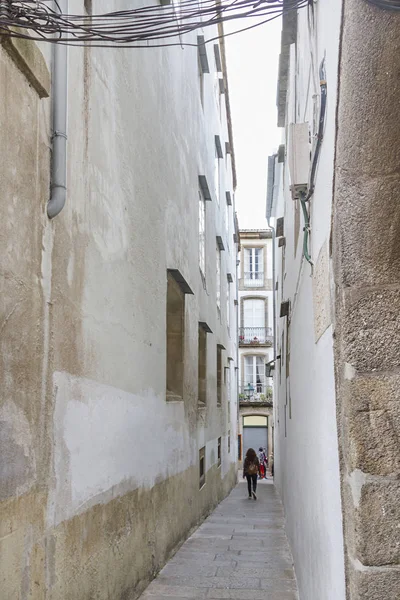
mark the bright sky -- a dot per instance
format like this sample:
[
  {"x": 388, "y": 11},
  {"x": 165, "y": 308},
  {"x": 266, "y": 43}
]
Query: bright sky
[{"x": 252, "y": 61}]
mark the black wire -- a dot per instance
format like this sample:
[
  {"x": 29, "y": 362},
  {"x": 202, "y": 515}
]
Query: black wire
[
  {"x": 321, "y": 126},
  {"x": 129, "y": 28}
]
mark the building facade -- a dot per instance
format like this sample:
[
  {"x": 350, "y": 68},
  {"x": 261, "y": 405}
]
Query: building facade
[
  {"x": 118, "y": 343},
  {"x": 255, "y": 341},
  {"x": 332, "y": 204}
]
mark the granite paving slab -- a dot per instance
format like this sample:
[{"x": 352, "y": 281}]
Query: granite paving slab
[{"x": 239, "y": 553}]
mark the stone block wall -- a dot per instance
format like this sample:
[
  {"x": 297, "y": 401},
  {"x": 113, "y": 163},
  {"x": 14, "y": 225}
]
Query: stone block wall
[{"x": 366, "y": 254}]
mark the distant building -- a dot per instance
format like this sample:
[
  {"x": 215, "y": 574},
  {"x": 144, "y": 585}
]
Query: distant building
[{"x": 255, "y": 340}]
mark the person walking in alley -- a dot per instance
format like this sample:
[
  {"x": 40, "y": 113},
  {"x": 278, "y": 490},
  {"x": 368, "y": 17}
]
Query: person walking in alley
[
  {"x": 263, "y": 463},
  {"x": 251, "y": 469}
]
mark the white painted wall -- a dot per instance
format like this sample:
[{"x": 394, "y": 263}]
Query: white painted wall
[
  {"x": 138, "y": 139},
  {"x": 306, "y": 449}
]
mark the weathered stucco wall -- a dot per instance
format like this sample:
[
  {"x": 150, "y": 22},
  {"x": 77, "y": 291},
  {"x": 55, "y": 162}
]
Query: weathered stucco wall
[
  {"x": 367, "y": 270},
  {"x": 306, "y": 456},
  {"x": 101, "y": 480}
]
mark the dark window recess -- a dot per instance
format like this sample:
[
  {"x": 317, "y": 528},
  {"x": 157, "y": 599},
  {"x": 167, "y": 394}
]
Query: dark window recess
[
  {"x": 279, "y": 227},
  {"x": 219, "y": 375},
  {"x": 229, "y": 442},
  {"x": 285, "y": 308},
  {"x": 202, "y": 366},
  {"x": 239, "y": 447},
  {"x": 219, "y": 451},
  {"x": 281, "y": 153},
  {"x": 218, "y": 146},
  {"x": 217, "y": 55},
  {"x": 205, "y": 190},
  {"x": 202, "y": 467},
  {"x": 175, "y": 335},
  {"x": 220, "y": 243},
  {"x": 201, "y": 47},
  {"x": 282, "y": 242}
]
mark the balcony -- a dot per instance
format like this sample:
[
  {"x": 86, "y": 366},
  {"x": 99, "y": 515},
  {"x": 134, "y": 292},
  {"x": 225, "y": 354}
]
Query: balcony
[
  {"x": 255, "y": 336},
  {"x": 257, "y": 393},
  {"x": 253, "y": 279}
]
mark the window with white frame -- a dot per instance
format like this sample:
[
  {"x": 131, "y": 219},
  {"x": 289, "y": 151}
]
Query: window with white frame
[
  {"x": 254, "y": 375},
  {"x": 253, "y": 267},
  {"x": 202, "y": 234},
  {"x": 253, "y": 326},
  {"x": 218, "y": 278}
]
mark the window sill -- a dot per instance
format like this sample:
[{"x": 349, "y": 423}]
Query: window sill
[{"x": 173, "y": 398}]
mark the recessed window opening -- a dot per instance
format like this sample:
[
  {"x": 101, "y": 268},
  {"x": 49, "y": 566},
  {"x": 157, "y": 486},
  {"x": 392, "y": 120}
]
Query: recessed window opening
[
  {"x": 219, "y": 452},
  {"x": 253, "y": 330},
  {"x": 218, "y": 278},
  {"x": 229, "y": 442},
  {"x": 175, "y": 333},
  {"x": 228, "y": 305},
  {"x": 219, "y": 375},
  {"x": 202, "y": 467},
  {"x": 217, "y": 175},
  {"x": 228, "y": 386},
  {"x": 202, "y": 367},
  {"x": 202, "y": 65},
  {"x": 202, "y": 234},
  {"x": 253, "y": 267},
  {"x": 254, "y": 376}
]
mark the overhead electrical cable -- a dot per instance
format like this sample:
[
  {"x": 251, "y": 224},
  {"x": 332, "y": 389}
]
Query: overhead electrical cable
[
  {"x": 304, "y": 198},
  {"x": 143, "y": 27}
]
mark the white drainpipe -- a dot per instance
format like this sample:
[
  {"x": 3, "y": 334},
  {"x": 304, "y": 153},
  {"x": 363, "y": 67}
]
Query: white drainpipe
[{"x": 59, "y": 116}]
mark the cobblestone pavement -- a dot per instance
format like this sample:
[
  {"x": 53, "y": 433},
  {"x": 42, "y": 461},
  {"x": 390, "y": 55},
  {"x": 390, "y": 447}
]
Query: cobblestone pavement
[{"x": 239, "y": 552}]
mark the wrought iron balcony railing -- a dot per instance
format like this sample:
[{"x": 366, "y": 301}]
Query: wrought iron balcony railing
[
  {"x": 255, "y": 392},
  {"x": 253, "y": 336},
  {"x": 253, "y": 279}
]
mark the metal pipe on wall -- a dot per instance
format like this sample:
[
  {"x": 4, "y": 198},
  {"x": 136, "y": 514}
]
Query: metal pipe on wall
[{"x": 58, "y": 175}]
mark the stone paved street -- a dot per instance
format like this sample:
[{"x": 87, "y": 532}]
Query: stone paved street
[{"x": 239, "y": 552}]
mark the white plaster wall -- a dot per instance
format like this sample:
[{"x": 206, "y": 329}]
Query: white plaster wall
[
  {"x": 138, "y": 140},
  {"x": 306, "y": 451}
]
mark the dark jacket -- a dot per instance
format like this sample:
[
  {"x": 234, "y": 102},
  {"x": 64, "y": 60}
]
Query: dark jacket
[{"x": 247, "y": 462}]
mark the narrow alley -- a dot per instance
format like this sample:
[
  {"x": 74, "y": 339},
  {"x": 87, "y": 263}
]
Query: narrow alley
[{"x": 239, "y": 552}]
